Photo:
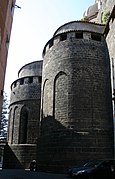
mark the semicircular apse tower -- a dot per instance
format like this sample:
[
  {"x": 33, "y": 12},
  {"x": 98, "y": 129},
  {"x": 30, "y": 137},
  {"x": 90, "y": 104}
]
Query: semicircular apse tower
[
  {"x": 24, "y": 116},
  {"x": 76, "y": 109}
]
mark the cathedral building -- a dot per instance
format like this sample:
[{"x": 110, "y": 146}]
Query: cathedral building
[{"x": 61, "y": 108}]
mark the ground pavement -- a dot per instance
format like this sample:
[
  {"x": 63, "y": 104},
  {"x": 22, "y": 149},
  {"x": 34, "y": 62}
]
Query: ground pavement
[{"x": 24, "y": 174}]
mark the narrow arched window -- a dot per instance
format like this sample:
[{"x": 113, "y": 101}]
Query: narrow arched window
[
  {"x": 23, "y": 126},
  {"x": 45, "y": 99},
  {"x": 14, "y": 127},
  {"x": 60, "y": 97}
]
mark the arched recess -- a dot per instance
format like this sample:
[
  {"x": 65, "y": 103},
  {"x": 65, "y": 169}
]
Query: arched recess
[
  {"x": 60, "y": 97},
  {"x": 45, "y": 99},
  {"x": 23, "y": 125},
  {"x": 14, "y": 125}
]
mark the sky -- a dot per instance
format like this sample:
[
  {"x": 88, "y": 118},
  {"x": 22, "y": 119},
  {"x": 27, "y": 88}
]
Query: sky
[{"x": 33, "y": 25}]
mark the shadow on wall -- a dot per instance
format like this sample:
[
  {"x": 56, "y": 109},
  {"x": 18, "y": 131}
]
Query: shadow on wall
[
  {"x": 62, "y": 145},
  {"x": 10, "y": 161}
]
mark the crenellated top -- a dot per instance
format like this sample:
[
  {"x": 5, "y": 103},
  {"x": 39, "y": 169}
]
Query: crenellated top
[
  {"x": 28, "y": 85},
  {"x": 77, "y": 30},
  {"x": 26, "y": 88},
  {"x": 29, "y": 80}
]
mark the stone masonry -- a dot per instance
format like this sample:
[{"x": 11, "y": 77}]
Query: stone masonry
[
  {"x": 75, "y": 123},
  {"x": 24, "y": 116},
  {"x": 77, "y": 119}
]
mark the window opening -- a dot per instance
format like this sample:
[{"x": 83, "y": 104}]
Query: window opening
[
  {"x": 23, "y": 126},
  {"x": 30, "y": 80},
  {"x": 79, "y": 35},
  {"x": 63, "y": 37},
  {"x": 40, "y": 79},
  {"x": 96, "y": 37},
  {"x": 21, "y": 81}
]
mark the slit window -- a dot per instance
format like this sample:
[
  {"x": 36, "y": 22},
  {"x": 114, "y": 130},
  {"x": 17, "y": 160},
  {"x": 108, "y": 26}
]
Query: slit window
[
  {"x": 23, "y": 126},
  {"x": 21, "y": 81},
  {"x": 30, "y": 80},
  {"x": 79, "y": 35},
  {"x": 51, "y": 43},
  {"x": 63, "y": 37},
  {"x": 96, "y": 37}
]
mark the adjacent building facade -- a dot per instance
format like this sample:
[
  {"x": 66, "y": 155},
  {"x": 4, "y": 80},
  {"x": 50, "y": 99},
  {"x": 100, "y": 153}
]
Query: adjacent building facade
[
  {"x": 6, "y": 18},
  {"x": 103, "y": 11}
]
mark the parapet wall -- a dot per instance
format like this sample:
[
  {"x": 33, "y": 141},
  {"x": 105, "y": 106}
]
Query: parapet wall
[
  {"x": 73, "y": 35},
  {"x": 25, "y": 89}
]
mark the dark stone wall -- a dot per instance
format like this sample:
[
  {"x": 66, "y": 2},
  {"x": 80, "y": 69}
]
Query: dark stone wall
[
  {"x": 77, "y": 123},
  {"x": 18, "y": 156},
  {"x": 14, "y": 130},
  {"x": 111, "y": 44},
  {"x": 27, "y": 90},
  {"x": 108, "y": 6}
]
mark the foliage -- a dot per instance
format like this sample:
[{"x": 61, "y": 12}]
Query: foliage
[
  {"x": 85, "y": 18},
  {"x": 4, "y": 118},
  {"x": 105, "y": 17}
]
